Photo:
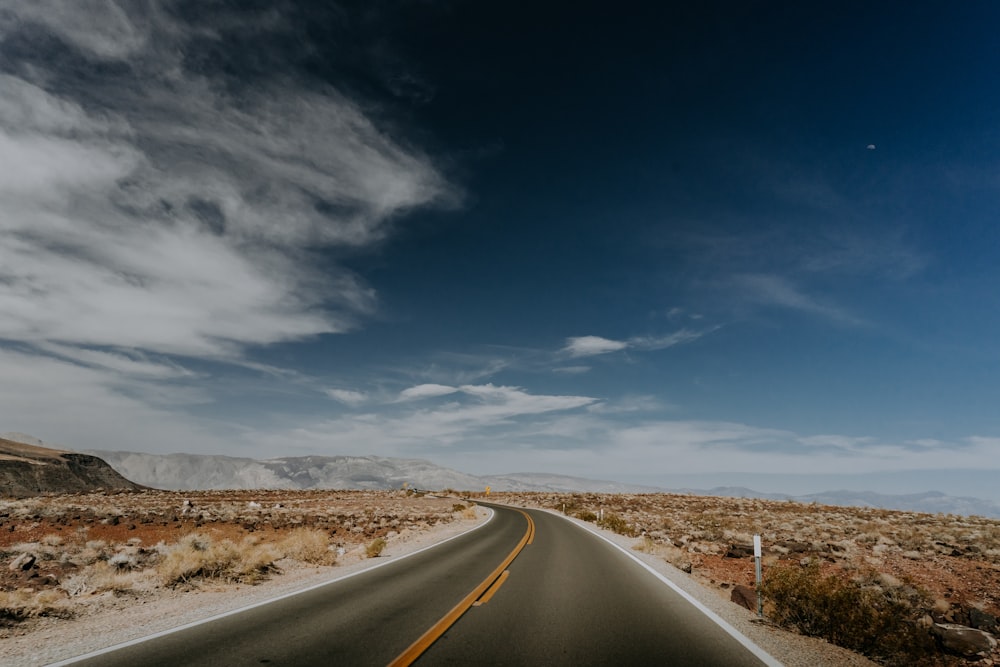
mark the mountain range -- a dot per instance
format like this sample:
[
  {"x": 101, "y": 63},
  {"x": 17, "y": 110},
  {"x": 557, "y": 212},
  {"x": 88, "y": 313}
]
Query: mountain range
[{"x": 203, "y": 472}]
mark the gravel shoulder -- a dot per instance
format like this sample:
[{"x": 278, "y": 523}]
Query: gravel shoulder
[
  {"x": 791, "y": 649},
  {"x": 111, "y": 621}
]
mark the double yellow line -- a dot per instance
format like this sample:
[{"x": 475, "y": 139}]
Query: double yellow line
[{"x": 481, "y": 593}]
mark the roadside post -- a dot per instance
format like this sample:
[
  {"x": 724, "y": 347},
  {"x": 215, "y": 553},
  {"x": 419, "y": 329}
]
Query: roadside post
[{"x": 756, "y": 557}]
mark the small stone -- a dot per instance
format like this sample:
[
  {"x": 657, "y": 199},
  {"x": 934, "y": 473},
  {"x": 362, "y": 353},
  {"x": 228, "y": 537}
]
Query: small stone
[
  {"x": 744, "y": 596},
  {"x": 24, "y": 562},
  {"x": 963, "y": 640}
]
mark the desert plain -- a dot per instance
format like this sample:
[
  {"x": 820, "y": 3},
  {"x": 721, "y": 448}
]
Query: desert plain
[{"x": 68, "y": 556}]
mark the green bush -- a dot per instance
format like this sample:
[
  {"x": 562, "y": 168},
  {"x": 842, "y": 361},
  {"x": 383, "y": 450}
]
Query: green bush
[
  {"x": 586, "y": 515},
  {"x": 617, "y": 524},
  {"x": 857, "y": 614}
]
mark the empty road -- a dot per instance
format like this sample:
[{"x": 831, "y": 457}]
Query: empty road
[{"x": 549, "y": 593}]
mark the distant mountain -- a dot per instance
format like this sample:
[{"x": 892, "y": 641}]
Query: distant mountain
[
  {"x": 540, "y": 481},
  {"x": 202, "y": 472},
  {"x": 30, "y": 470},
  {"x": 198, "y": 471},
  {"x": 932, "y": 502}
]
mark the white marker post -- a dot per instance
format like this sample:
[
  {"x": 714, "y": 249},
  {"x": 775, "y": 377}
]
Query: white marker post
[{"x": 756, "y": 557}]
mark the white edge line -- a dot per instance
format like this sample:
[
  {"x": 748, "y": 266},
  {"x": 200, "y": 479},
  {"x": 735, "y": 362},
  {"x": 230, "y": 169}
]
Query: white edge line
[
  {"x": 763, "y": 655},
  {"x": 163, "y": 633}
]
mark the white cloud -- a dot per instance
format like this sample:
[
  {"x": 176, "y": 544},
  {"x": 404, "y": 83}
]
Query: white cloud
[
  {"x": 126, "y": 362},
  {"x": 670, "y": 340},
  {"x": 586, "y": 346},
  {"x": 177, "y": 219},
  {"x": 98, "y": 27},
  {"x": 426, "y": 391},
  {"x": 589, "y": 346},
  {"x": 347, "y": 396},
  {"x": 93, "y": 408}
]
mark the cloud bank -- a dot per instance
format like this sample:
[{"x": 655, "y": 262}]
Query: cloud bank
[{"x": 161, "y": 206}]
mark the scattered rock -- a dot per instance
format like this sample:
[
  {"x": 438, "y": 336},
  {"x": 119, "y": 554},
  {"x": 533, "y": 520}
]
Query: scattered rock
[
  {"x": 744, "y": 596},
  {"x": 963, "y": 640},
  {"x": 795, "y": 547},
  {"x": 739, "y": 551},
  {"x": 982, "y": 621},
  {"x": 22, "y": 563}
]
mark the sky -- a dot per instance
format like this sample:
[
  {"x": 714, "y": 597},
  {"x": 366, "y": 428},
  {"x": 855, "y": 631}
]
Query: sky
[{"x": 742, "y": 243}]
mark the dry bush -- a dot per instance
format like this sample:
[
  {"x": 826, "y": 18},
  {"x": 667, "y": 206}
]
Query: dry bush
[
  {"x": 196, "y": 556},
  {"x": 876, "y": 620},
  {"x": 308, "y": 545},
  {"x": 617, "y": 524},
  {"x": 24, "y": 603},
  {"x": 102, "y": 577},
  {"x": 375, "y": 547}
]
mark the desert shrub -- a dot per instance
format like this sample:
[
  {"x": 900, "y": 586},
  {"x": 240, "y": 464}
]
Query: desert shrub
[
  {"x": 52, "y": 540},
  {"x": 25, "y": 603},
  {"x": 615, "y": 523},
  {"x": 457, "y": 507},
  {"x": 309, "y": 545},
  {"x": 646, "y": 546},
  {"x": 197, "y": 557},
  {"x": 375, "y": 547},
  {"x": 586, "y": 515},
  {"x": 856, "y": 614},
  {"x": 105, "y": 576}
]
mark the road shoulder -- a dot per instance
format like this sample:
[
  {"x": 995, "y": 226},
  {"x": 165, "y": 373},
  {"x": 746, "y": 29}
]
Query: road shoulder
[
  {"x": 790, "y": 649},
  {"x": 129, "y": 618}
]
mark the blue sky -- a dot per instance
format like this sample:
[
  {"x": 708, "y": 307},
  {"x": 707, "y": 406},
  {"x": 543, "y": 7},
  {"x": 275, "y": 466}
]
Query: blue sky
[{"x": 734, "y": 244}]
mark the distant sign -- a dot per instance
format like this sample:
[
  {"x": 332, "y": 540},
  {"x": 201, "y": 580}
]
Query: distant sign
[{"x": 487, "y": 490}]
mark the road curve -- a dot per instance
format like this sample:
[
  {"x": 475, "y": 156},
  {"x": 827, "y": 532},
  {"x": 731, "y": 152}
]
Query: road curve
[
  {"x": 572, "y": 598},
  {"x": 367, "y": 619},
  {"x": 568, "y": 597}
]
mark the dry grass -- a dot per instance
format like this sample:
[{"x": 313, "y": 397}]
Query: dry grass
[
  {"x": 308, "y": 545},
  {"x": 24, "y": 603},
  {"x": 133, "y": 545},
  {"x": 375, "y": 547},
  {"x": 197, "y": 556}
]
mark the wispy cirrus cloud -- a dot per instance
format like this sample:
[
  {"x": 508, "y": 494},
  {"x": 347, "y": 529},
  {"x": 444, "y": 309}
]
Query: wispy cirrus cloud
[
  {"x": 163, "y": 207},
  {"x": 589, "y": 346},
  {"x": 426, "y": 391},
  {"x": 778, "y": 291},
  {"x": 347, "y": 396}
]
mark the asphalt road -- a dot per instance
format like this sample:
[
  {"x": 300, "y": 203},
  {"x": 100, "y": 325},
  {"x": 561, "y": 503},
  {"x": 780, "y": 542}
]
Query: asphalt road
[{"x": 566, "y": 598}]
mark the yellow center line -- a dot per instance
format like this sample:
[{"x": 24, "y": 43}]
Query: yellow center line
[
  {"x": 492, "y": 589},
  {"x": 417, "y": 648}
]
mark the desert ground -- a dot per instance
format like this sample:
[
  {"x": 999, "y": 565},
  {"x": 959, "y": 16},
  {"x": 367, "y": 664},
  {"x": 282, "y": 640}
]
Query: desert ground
[
  {"x": 927, "y": 571},
  {"x": 75, "y": 555}
]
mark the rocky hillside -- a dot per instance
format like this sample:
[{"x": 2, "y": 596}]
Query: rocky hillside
[{"x": 30, "y": 470}]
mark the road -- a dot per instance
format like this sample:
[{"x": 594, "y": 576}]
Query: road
[{"x": 550, "y": 593}]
